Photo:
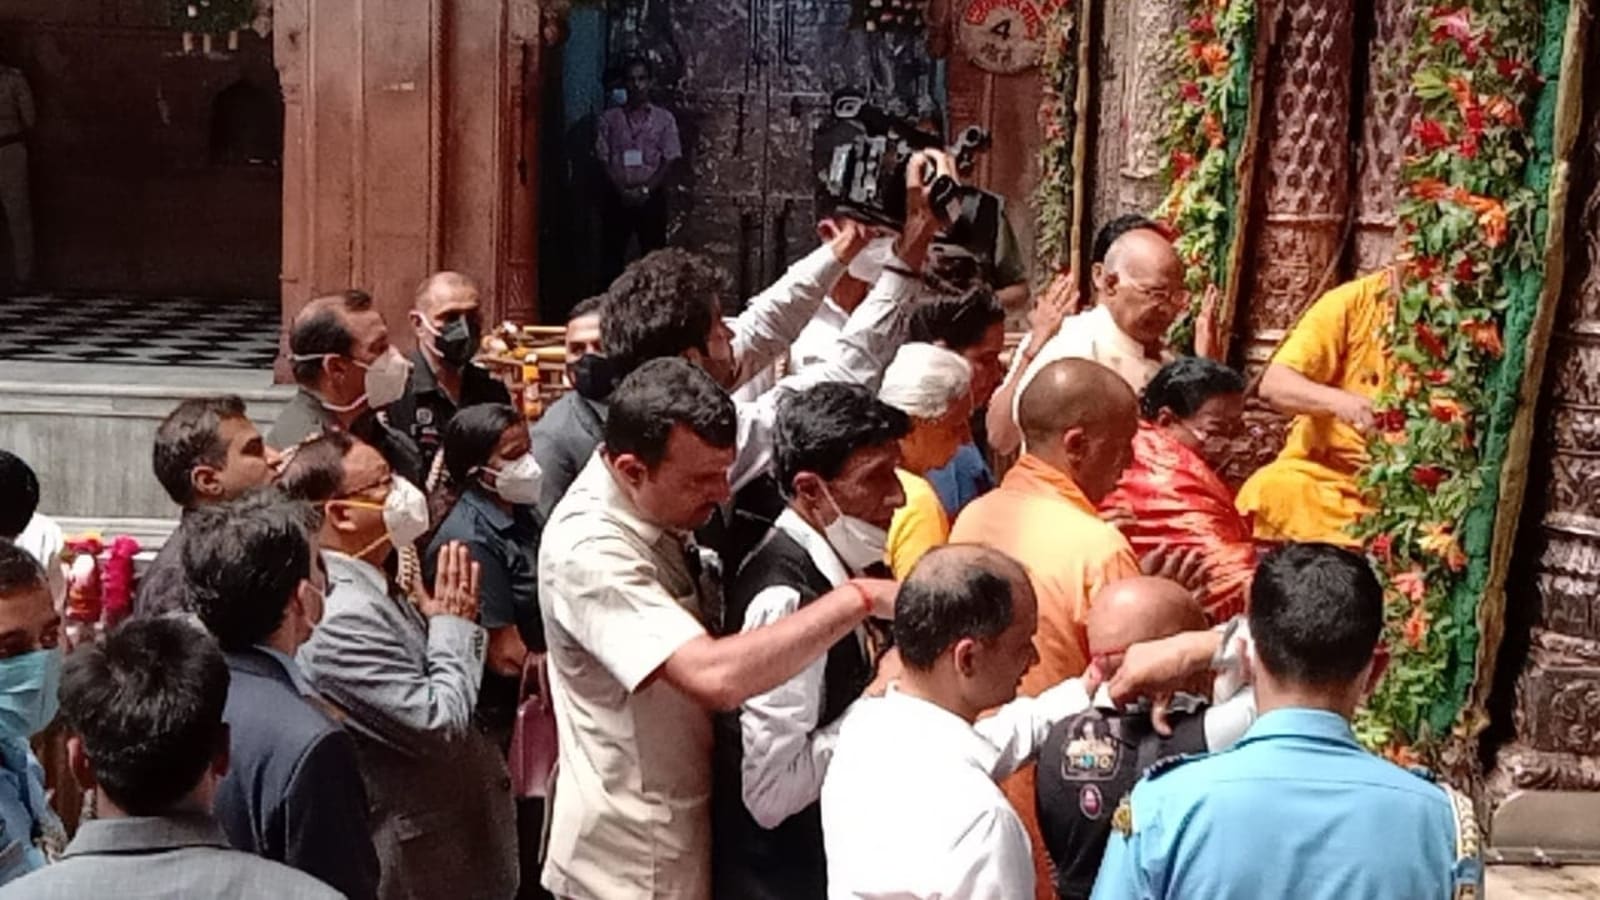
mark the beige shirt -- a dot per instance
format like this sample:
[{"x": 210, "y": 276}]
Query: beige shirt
[
  {"x": 631, "y": 816},
  {"x": 1091, "y": 334}
]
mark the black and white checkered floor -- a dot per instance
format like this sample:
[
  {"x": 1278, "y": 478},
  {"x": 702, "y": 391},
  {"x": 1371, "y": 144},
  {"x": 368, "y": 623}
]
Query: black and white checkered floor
[{"x": 180, "y": 331}]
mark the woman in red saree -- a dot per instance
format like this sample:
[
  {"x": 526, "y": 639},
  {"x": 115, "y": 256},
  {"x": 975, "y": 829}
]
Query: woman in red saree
[{"x": 1172, "y": 491}]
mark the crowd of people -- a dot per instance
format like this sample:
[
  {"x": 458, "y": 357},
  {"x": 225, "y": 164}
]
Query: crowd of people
[{"x": 754, "y": 587}]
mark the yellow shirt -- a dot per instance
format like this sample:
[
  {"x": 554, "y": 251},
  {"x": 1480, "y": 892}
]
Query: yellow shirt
[
  {"x": 1309, "y": 492},
  {"x": 918, "y": 527}
]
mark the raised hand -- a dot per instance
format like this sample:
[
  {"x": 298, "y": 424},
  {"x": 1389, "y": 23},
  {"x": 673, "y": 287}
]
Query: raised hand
[{"x": 455, "y": 585}]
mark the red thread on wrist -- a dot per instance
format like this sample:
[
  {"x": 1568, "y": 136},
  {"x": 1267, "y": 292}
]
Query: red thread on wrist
[{"x": 866, "y": 598}]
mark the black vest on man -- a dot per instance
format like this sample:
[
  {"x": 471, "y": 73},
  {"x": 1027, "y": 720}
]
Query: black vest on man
[
  {"x": 1087, "y": 765},
  {"x": 751, "y": 862}
]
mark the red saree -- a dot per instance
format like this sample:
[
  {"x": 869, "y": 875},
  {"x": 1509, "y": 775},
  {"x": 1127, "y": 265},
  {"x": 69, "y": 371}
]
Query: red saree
[{"x": 1177, "y": 500}]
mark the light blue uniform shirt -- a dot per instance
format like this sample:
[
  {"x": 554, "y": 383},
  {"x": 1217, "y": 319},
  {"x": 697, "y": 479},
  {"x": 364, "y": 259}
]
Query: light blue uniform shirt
[
  {"x": 1296, "y": 809},
  {"x": 24, "y": 814}
]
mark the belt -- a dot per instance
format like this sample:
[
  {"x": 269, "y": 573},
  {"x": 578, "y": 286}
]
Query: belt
[{"x": 10, "y": 139}]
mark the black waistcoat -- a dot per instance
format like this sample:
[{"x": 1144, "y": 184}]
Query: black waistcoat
[{"x": 787, "y": 862}]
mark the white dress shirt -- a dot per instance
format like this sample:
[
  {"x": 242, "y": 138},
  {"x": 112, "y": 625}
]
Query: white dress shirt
[
  {"x": 859, "y": 353},
  {"x": 910, "y": 807},
  {"x": 1093, "y": 335},
  {"x": 785, "y": 753},
  {"x": 809, "y": 349}
]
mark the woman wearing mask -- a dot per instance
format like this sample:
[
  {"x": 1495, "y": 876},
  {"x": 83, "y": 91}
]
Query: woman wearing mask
[
  {"x": 933, "y": 386},
  {"x": 491, "y": 485},
  {"x": 30, "y": 671}
]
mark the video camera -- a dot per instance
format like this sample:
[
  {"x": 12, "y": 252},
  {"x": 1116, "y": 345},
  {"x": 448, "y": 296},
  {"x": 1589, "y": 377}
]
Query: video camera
[{"x": 865, "y": 176}]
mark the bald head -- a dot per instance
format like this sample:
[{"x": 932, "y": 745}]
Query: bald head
[
  {"x": 1142, "y": 286},
  {"x": 1142, "y": 253},
  {"x": 445, "y": 288},
  {"x": 1139, "y": 609},
  {"x": 1072, "y": 393}
]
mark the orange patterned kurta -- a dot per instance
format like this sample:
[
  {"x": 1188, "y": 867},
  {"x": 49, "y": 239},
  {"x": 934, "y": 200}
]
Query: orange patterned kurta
[{"x": 1179, "y": 501}]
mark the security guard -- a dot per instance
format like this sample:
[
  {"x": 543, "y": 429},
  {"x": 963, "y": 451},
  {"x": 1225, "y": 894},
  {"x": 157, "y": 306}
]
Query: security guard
[
  {"x": 1297, "y": 809},
  {"x": 1090, "y": 761},
  {"x": 16, "y": 120}
]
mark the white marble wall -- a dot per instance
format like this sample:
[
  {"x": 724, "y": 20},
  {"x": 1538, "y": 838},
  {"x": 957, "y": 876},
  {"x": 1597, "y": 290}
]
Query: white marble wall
[{"x": 87, "y": 430}]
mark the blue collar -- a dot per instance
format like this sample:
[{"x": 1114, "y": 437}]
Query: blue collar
[
  {"x": 1300, "y": 722},
  {"x": 487, "y": 510}
]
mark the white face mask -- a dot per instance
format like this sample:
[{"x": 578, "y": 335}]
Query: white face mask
[
  {"x": 859, "y": 543},
  {"x": 405, "y": 512},
  {"x": 519, "y": 480},
  {"x": 387, "y": 377},
  {"x": 868, "y": 264},
  {"x": 386, "y": 380}
]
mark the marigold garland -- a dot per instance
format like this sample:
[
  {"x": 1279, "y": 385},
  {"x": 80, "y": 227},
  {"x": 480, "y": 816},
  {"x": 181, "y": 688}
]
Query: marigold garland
[
  {"x": 1468, "y": 233},
  {"x": 1053, "y": 198},
  {"x": 1205, "y": 128}
]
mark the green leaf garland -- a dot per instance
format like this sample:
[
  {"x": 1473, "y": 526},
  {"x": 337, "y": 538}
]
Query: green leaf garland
[
  {"x": 1206, "y": 121},
  {"x": 1470, "y": 254}
]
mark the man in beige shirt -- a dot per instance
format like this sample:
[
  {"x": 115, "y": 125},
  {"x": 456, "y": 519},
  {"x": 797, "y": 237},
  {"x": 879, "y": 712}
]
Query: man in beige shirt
[
  {"x": 1138, "y": 293},
  {"x": 16, "y": 120},
  {"x": 634, "y": 673}
]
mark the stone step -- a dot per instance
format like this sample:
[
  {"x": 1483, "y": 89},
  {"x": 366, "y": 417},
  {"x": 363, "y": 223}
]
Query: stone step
[{"x": 88, "y": 429}]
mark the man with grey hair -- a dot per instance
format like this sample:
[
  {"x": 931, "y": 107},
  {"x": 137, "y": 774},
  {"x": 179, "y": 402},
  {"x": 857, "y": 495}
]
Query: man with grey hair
[
  {"x": 1138, "y": 295},
  {"x": 448, "y": 326},
  {"x": 910, "y": 807},
  {"x": 932, "y": 386}
]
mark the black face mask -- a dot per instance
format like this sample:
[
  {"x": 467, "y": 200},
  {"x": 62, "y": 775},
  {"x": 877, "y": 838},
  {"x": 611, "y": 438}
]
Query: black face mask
[
  {"x": 456, "y": 343},
  {"x": 591, "y": 377}
]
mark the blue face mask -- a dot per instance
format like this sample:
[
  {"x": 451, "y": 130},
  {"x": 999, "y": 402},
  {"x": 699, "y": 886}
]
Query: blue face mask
[{"x": 29, "y": 684}]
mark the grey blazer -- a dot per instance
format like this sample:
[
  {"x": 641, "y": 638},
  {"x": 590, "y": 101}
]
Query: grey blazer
[
  {"x": 443, "y": 821},
  {"x": 145, "y": 858}
]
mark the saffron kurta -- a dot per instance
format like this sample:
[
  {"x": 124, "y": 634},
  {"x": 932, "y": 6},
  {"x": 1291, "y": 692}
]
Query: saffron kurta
[{"x": 1309, "y": 492}]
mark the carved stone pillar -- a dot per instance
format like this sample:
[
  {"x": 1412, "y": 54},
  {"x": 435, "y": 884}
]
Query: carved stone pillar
[
  {"x": 1386, "y": 114},
  {"x": 1146, "y": 93},
  {"x": 1557, "y": 715},
  {"x": 1304, "y": 183}
]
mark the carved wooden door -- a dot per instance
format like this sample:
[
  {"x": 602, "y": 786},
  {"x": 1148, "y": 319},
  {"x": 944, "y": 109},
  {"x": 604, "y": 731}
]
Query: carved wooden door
[{"x": 756, "y": 78}]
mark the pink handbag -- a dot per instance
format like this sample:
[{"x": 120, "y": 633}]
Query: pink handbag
[{"x": 532, "y": 757}]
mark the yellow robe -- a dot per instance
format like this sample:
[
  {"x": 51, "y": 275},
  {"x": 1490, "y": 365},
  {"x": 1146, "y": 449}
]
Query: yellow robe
[{"x": 1309, "y": 492}]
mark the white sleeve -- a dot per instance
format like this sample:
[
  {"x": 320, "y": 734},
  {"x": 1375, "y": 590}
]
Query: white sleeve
[
  {"x": 1226, "y": 723},
  {"x": 993, "y": 860},
  {"x": 775, "y": 317},
  {"x": 860, "y": 354},
  {"x": 1018, "y": 729},
  {"x": 785, "y": 756}
]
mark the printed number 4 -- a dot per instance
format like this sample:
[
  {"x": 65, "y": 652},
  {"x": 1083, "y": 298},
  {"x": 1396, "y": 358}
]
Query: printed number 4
[{"x": 1001, "y": 29}]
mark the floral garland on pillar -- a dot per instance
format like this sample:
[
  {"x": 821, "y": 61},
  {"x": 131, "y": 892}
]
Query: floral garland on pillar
[
  {"x": 1058, "y": 121},
  {"x": 1471, "y": 244},
  {"x": 1206, "y": 122}
]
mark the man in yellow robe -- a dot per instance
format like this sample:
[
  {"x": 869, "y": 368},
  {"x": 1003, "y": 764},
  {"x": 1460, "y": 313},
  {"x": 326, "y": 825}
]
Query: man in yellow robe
[{"x": 1325, "y": 375}]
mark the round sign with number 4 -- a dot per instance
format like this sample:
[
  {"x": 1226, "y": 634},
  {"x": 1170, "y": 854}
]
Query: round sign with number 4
[{"x": 1002, "y": 36}]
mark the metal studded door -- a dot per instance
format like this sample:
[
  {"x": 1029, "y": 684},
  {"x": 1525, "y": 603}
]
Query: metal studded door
[{"x": 755, "y": 83}]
